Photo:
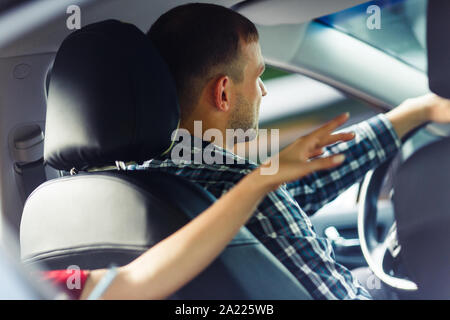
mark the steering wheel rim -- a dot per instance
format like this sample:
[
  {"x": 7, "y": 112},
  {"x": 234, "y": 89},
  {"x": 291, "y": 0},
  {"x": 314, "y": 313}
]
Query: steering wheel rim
[{"x": 374, "y": 251}]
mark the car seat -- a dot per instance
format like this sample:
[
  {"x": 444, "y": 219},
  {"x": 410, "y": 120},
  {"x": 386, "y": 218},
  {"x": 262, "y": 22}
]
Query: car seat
[{"x": 111, "y": 100}]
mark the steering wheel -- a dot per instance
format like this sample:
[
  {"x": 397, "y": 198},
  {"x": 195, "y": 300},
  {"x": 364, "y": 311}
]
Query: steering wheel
[
  {"x": 375, "y": 251},
  {"x": 424, "y": 241}
]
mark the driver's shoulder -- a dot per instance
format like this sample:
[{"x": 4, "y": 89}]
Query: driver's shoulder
[{"x": 199, "y": 172}]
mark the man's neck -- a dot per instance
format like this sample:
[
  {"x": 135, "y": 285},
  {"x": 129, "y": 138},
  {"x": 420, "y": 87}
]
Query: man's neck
[{"x": 205, "y": 132}]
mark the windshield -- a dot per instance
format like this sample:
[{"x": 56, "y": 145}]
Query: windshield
[{"x": 397, "y": 27}]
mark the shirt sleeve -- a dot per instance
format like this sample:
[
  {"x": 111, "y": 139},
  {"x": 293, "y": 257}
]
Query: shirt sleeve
[
  {"x": 287, "y": 232},
  {"x": 375, "y": 141}
]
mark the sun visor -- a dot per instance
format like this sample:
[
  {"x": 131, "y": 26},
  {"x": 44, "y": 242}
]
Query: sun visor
[
  {"x": 269, "y": 12},
  {"x": 438, "y": 24}
]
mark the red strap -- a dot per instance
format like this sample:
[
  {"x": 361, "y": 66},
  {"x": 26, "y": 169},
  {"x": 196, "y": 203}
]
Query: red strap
[{"x": 70, "y": 281}]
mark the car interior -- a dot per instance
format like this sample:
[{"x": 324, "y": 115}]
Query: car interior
[{"x": 74, "y": 112}]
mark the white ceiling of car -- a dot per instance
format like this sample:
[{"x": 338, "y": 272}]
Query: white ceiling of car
[
  {"x": 40, "y": 26},
  {"x": 269, "y": 12}
]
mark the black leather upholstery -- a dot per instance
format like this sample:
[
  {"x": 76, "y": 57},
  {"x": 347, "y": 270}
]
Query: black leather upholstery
[
  {"x": 98, "y": 114},
  {"x": 438, "y": 47},
  {"x": 422, "y": 212},
  {"x": 110, "y": 98}
]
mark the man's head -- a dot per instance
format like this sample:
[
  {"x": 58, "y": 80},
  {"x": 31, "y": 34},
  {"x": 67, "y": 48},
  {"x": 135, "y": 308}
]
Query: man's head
[{"x": 214, "y": 56}]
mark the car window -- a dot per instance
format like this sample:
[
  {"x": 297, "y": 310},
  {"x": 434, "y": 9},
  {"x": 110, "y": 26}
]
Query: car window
[
  {"x": 397, "y": 27},
  {"x": 296, "y": 104}
]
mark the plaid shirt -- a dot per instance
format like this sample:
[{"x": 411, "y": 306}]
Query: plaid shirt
[{"x": 281, "y": 220}]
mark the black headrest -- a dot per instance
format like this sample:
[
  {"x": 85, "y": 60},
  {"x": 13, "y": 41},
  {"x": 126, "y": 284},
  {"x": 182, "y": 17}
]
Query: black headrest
[
  {"x": 111, "y": 98},
  {"x": 438, "y": 43}
]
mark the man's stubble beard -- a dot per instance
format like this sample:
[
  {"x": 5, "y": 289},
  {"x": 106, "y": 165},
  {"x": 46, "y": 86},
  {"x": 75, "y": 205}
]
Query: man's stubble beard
[{"x": 244, "y": 117}]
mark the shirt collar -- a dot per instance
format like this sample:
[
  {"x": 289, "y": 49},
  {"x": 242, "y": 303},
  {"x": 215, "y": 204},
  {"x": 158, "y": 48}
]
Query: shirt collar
[{"x": 198, "y": 145}]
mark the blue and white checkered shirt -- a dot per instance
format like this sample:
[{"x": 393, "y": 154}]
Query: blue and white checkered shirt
[{"x": 281, "y": 220}]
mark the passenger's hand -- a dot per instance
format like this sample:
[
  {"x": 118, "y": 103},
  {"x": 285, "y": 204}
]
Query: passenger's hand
[{"x": 301, "y": 157}]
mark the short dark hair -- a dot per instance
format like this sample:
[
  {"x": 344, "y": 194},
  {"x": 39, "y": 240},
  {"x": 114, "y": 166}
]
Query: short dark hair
[{"x": 199, "y": 41}]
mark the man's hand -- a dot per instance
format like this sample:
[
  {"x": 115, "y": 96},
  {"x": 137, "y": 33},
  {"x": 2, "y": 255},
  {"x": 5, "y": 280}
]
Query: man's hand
[
  {"x": 438, "y": 108},
  {"x": 300, "y": 158},
  {"x": 416, "y": 111}
]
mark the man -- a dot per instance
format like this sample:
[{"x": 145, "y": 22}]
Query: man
[{"x": 216, "y": 62}]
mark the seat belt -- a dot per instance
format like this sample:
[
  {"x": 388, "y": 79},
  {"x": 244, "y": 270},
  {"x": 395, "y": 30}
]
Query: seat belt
[
  {"x": 27, "y": 148},
  {"x": 29, "y": 176}
]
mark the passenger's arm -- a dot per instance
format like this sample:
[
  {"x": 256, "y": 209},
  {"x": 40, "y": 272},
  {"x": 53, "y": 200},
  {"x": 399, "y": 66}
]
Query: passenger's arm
[{"x": 173, "y": 262}]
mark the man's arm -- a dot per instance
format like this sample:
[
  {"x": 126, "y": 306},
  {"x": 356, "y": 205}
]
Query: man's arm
[
  {"x": 417, "y": 111},
  {"x": 376, "y": 140},
  {"x": 286, "y": 231}
]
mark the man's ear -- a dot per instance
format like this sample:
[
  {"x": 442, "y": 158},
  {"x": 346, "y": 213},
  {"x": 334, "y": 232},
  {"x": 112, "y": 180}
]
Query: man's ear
[{"x": 222, "y": 93}]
